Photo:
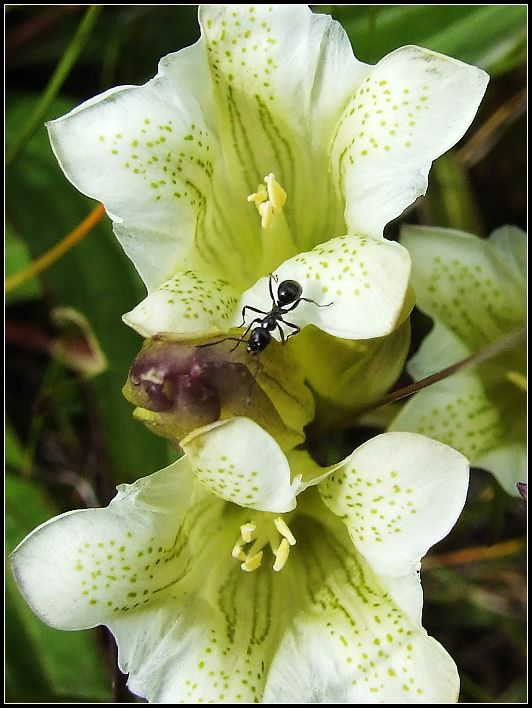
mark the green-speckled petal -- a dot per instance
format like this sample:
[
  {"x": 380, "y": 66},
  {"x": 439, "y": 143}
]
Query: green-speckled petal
[
  {"x": 188, "y": 305},
  {"x": 475, "y": 290},
  {"x": 240, "y": 462},
  {"x": 350, "y": 639},
  {"x": 412, "y": 107},
  {"x": 358, "y": 286},
  {"x": 398, "y": 494},
  {"x": 282, "y": 76},
  {"x": 475, "y": 287},
  {"x": 87, "y": 567},
  {"x": 236, "y": 636}
]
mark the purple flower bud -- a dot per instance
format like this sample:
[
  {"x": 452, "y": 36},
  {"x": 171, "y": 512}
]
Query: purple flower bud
[{"x": 186, "y": 386}]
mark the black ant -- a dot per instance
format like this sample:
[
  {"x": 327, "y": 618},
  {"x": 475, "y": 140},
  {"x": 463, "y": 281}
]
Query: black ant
[{"x": 289, "y": 293}]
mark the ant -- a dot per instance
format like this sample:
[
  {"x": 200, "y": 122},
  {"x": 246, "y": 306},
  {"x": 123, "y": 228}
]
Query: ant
[{"x": 289, "y": 295}]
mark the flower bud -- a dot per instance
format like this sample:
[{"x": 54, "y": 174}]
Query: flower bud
[{"x": 179, "y": 387}]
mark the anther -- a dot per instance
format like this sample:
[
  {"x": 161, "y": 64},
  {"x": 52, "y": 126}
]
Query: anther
[
  {"x": 261, "y": 195},
  {"x": 252, "y": 563},
  {"x": 269, "y": 199},
  {"x": 281, "y": 526},
  {"x": 266, "y": 213},
  {"x": 276, "y": 194},
  {"x": 237, "y": 552},
  {"x": 281, "y": 555},
  {"x": 247, "y": 531}
]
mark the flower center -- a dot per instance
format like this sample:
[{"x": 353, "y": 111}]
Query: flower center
[
  {"x": 256, "y": 534},
  {"x": 269, "y": 199}
]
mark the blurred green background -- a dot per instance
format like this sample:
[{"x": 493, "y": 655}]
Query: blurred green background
[{"x": 70, "y": 438}]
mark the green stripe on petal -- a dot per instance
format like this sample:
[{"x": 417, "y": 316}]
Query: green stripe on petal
[
  {"x": 349, "y": 639},
  {"x": 278, "y": 94},
  {"x": 413, "y": 106},
  {"x": 240, "y": 462},
  {"x": 358, "y": 286},
  {"x": 398, "y": 494},
  {"x": 191, "y": 304},
  {"x": 85, "y": 568},
  {"x": 213, "y": 642}
]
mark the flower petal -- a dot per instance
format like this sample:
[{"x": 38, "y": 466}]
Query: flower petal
[
  {"x": 350, "y": 641},
  {"x": 212, "y": 642},
  {"x": 278, "y": 96},
  {"x": 413, "y": 106},
  {"x": 474, "y": 286},
  {"x": 475, "y": 289},
  {"x": 87, "y": 567},
  {"x": 358, "y": 286},
  {"x": 347, "y": 375},
  {"x": 234, "y": 637},
  {"x": 386, "y": 492},
  {"x": 191, "y": 304},
  {"x": 240, "y": 462},
  {"x": 147, "y": 154},
  {"x": 457, "y": 411}
]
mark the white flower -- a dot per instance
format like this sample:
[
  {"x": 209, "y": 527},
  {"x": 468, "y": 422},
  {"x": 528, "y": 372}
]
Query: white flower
[
  {"x": 475, "y": 291},
  {"x": 218, "y": 588},
  {"x": 267, "y": 147}
]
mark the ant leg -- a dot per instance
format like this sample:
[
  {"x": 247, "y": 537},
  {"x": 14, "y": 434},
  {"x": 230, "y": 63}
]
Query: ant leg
[
  {"x": 283, "y": 338},
  {"x": 306, "y": 299},
  {"x": 287, "y": 337},
  {"x": 253, "y": 309},
  {"x": 225, "y": 339}
]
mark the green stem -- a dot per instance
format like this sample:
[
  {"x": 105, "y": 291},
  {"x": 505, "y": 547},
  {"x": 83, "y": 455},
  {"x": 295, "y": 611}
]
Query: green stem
[
  {"x": 506, "y": 342},
  {"x": 55, "y": 83}
]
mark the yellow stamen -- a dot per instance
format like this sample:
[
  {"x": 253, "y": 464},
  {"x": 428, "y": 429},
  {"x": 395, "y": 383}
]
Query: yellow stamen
[
  {"x": 517, "y": 379},
  {"x": 266, "y": 213},
  {"x": 238, "y": 553},
  {"x": 269, "y": 199},
  {"x": 247, "y": 531},
  {"x": 265, "y": 529},
  {"x": 261, "y": 195},
  {"x": 276, "y": 194},
  {"x": 252, "y": 563},
  {"x": 281, "y": 555},
  {"x": 281, "y": 526}
]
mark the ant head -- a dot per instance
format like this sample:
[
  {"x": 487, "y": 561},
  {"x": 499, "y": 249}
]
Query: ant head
[
  {"x": 288, "y": 292},
  {"x": 258, "y": 340}
]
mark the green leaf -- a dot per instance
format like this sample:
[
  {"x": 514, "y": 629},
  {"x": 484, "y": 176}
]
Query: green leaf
[
  {"x": 17, "y": 258},
  {"x": 95, "y": 278},
  {"x": 451, "y": 199},
  {"x": 41, "y": 660},
  {"x": 492, "y": 37},
  {"x": 13, "y": 452}
]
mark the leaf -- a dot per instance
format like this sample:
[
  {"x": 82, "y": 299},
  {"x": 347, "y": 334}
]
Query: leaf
[
  {"x": 42, "y": 660},
  {"x": 13, "y": 452},
  {"x": 492, "y": 37},
  {"x": 17, "y": 258}
]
